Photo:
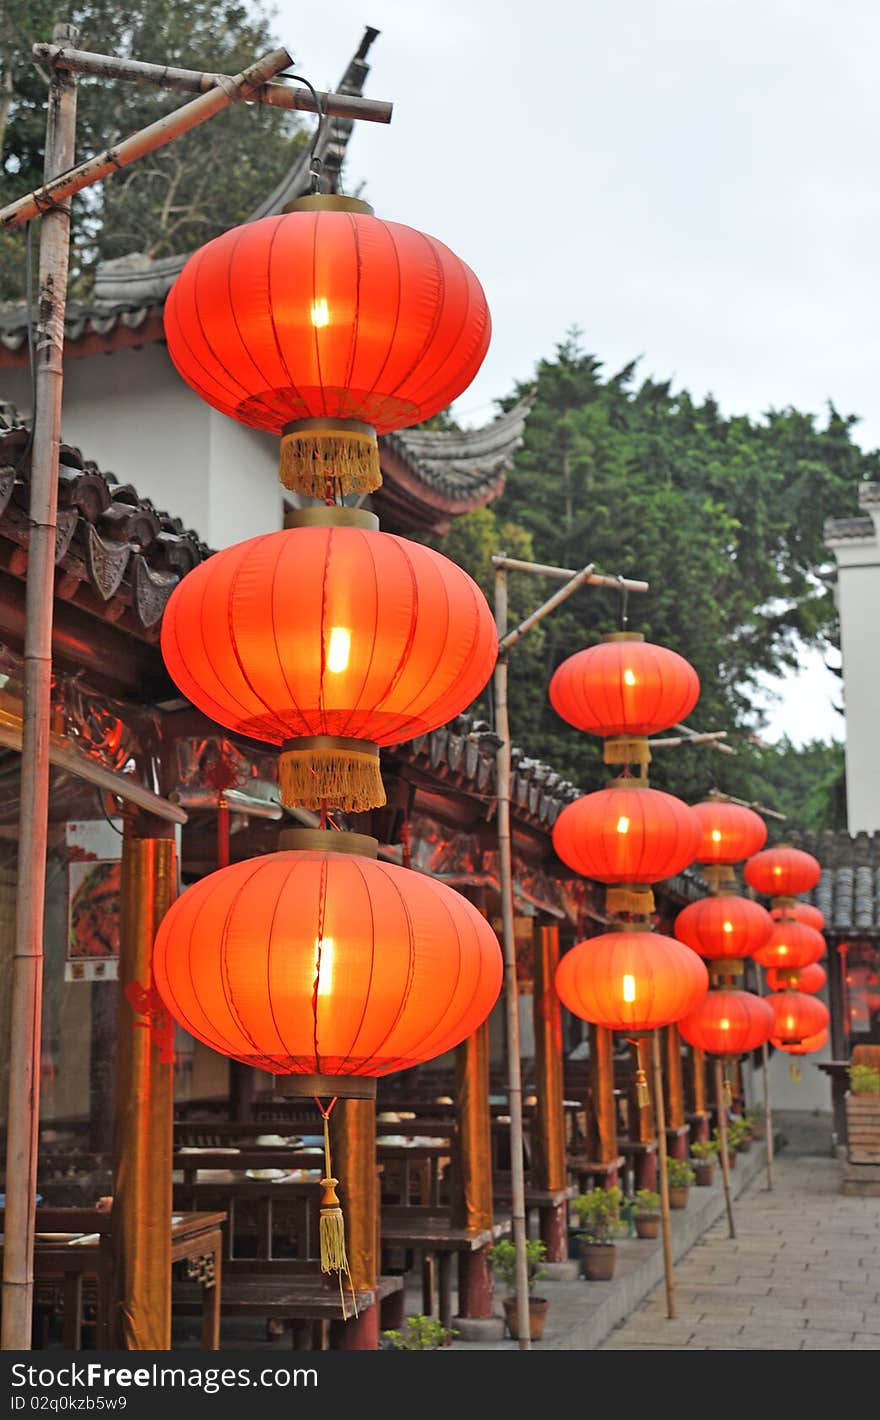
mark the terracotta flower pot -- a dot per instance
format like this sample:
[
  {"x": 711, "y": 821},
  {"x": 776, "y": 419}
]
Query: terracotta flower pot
[
  {"x": 745, "y": 1144},
  {"x": 678, "y": 1197},
  {"x": 731, "y": 1158},
  {"x": 705, "y": 1174},
  {"x": 598, "y": 1260},
  {"x": 648, "y": 1225},
  {"x": 538, "y": 1308}
]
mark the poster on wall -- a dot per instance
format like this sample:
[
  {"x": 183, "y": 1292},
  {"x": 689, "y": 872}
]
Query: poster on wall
[{"x": 94, "y": 853}]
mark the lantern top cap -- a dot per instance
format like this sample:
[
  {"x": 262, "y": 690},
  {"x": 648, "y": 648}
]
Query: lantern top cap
[
  {"x": 325, "y": 515},
  {"x": 327, "y": 840},
  {"x": 622, "y": 636},
  {"x": 328, "y": 202}
]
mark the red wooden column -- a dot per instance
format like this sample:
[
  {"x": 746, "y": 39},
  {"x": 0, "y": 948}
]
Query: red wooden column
[
  {"x": 675, "y": 1112},
  {"x": 472, "y": 1195},
  {"x": 604, "y": 1104},
  {"x": 353, "y": 1142},
  {"x": 646, "y": 1163},
  {"x": 549, "y": 1168}
]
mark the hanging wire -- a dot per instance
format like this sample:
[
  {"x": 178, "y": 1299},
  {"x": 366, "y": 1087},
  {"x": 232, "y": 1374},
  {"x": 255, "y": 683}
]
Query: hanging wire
[
  {"x": 315, "y": 163},
  {"x": 624, "y": 602}
]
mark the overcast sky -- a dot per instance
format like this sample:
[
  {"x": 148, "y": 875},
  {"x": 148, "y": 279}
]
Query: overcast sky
[{"x": 692, "y": 182}]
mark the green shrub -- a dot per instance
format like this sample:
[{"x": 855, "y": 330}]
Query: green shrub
[
  {"x": 864, "y": 1079},
  {"x": 503, "y": 1258},
  {"x": 598, "y": 1213},
  {"x": 645, "y": 1201},
  {"x": 420, "y": 1333},
  {"x": 679, "y": 1173},
  {"x": 705, "y": 1150}
]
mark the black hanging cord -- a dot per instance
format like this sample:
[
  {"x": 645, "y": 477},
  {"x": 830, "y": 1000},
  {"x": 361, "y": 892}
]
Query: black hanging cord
[
  {"x": 624, "y": 603},
  {"x": 315, "y": 163}
]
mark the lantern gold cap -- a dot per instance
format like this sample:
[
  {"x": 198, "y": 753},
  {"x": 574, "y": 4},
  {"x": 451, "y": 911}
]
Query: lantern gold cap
[
  {"x": 327, "y": 840},
  {"x": 328, "y": 202},
  {"x": 326, "y": 515},
  {"x": 622, "y": 636},
  {"x": 347, "y": 1087}
]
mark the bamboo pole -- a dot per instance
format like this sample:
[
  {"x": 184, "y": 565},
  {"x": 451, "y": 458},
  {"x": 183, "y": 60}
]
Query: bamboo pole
[
  {"x": 166, "y": 76},
  {"x": 563, "y": 574},
  {"x": 65, "y": 180},
  {"x": 546, "y": 607},
  {"x": 511, "y": 997},
  {"x": 666, "y": 1221},
  {"x": 768, "y": 1109},
  {"x": 27, "y": 964},
  {"x": 721, "y": 1110}
]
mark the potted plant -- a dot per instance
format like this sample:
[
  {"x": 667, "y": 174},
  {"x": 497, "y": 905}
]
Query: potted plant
[
  {"x": 680, "y": 1176},
  {"x": 731, "y": 1151},
  {"x": 503, "y": 1258},
  {"x": 703, "y": 1153},
  {"x": 420, "y": 1333},
  {"x": 739, "y": 1135},
  {"x": 598, "y": 1213},
  {"x": 863, "y": 1114},
  {"x": 646, "y": 1212},
  {"x": 755, "y": 1116}
]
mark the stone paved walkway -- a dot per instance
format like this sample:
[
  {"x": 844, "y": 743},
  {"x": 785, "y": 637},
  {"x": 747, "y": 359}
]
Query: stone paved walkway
[{"x": 803, "y": 1273}]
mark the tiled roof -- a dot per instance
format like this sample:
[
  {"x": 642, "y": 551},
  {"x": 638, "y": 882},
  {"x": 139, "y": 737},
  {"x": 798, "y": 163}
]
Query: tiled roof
[
  {"x": 462, "y": 464},
  {"x": 840, "y": 528},
  {"x": 848, "y": 893}
]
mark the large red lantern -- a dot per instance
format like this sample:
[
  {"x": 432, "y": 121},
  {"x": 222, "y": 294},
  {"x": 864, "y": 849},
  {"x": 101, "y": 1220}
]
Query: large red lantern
[
  {"x": 803, "y": 1047},
  {"x": 728, "y": 1023},
  {"x": 791, "y": 944},
  {"x": 329, "y": 641},
  {"x": 799, "y": 912},
  {"x": 728, "y": 832},
  {"x": 782, "y": 872},
  {"x": 327, "y": 325},
  {"x": 809, "y": 979},
  {"x": 626, "y": 833},
  {"x": 624, "y": 689},
  {"x": 630, "y": 981},
  {"x": 796, "y": 1016},
  {"x": 326, "y": 964},
  {"x": 724, "y": 927}
]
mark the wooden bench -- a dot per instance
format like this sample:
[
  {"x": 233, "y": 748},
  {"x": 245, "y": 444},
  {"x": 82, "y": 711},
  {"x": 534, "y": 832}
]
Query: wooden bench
[
  {"x": 592, "y": 1173},
  {"x": 437, "y": 1240}
]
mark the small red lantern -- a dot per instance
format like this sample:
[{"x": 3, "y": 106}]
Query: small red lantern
[
  {"x": 799, "y": 912},
  {"x": 728, "y": 1023},
  {"x": 329, "y": 640},
  {"x": 724, "y": 927},
  {"x": 791, "y": 944},
  {"x": 327, "y": 325},
  {"x": 728, "y": 832},
  {"x": 782, "y": 872},
  {"x": 803, "y": 1047},
  {"x": 624, "y": 689},
  {"x": 630, "y": 981},
  {"x": 809, "y": 979},
  {"x": 796, "y": 1016}
]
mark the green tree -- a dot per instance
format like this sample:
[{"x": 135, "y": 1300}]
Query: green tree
[{"x": 183, "y": 194}]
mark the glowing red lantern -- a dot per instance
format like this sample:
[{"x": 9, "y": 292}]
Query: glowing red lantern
[
  {"x": 630, "y": 981},
  {"x": 329, "y": 641},
  {"x": 724, "y": 927},
  {"x": 327, "y": 325},
  {"x": 728, "y": 1023},
  {"x": 782, "y": 872},
  {"x": 791, "y": 944},
  {"x": 796, "y": 1016},
  {"x": 803, "y": 1047},
  {"x": 728, "y": 832},
  {"x": 624, "y": 689},
  {"x": 319, "y": 963},
  {"x": 809, "y": 979},
  {"x": 799, "y": 912},
  {"x": 626, "y": 833}
]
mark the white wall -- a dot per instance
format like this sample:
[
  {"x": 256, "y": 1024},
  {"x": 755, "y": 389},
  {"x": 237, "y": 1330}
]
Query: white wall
[
  {"x": 245, "y": 495},
  {"x": 858, "y": 600}
]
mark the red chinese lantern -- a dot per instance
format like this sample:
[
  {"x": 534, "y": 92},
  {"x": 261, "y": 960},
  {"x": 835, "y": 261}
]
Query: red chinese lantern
[
  {"x": 809, "y": 979},
  {"x": 630, "y": 981},
  {"x": 728, "y": 1023},
  {"x": 329, "y": 641},
  {"x": 791, "y": 944},
  {"x": 728, "y": 834},
  {"x": 326, "y": 964},
  {"x": 624, "y": 689},
  {"x": 799, "y": 912},
  {"x": 803, "y": 1047},
  {"x": 796, "y": 1016},
  {"x": 724, "y": 927},
  {"x": 782, "y": 872},
  {"x": 327, "y": 325}
]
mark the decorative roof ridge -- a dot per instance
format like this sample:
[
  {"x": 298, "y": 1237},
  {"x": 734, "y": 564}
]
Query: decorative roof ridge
[{"x": 463, "y": 464}]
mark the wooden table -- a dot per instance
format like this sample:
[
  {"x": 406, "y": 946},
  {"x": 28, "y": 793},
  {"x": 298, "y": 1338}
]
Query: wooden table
[{"x": 433, "y": 1235}]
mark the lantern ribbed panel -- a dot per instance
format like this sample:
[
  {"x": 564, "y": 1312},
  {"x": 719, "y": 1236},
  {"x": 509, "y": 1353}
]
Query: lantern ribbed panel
[
  {"x": 796, "y": 1015},
  {"x": 665, "y": 979},
  {"x": 659, "y": 840},
  {"x": 728, "y": 832},
  {"x": 719, "y": 927},
  {"x": 591, "y": 692},
  {"x": 800, "y": 912},
  {"x": 782, "y": 872},
  {"x": 803, "y": 1047},
  {"x": 791, "y": 944},
  {"x": 728, "y": 1023},
  {"x": 248, "y": 636},
  {"x": 326, "y": 963},
  {"x": 333, "y": 314},
  {"x": 809, "y": 979}
]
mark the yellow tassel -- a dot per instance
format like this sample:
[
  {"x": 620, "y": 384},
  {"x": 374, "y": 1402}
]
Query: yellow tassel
[
  {"x": 643, "y": 1096},
  {"x": 311, "y": 457},
  {"x": 331, "y": 1225},
  {"x": 624, "y": 897},
  {"x": 719, "y": 875},
  {"x": 338, "y": 777},
  {"x": 627, "y": 749},
  {"x": 728, "y": 1089}
]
